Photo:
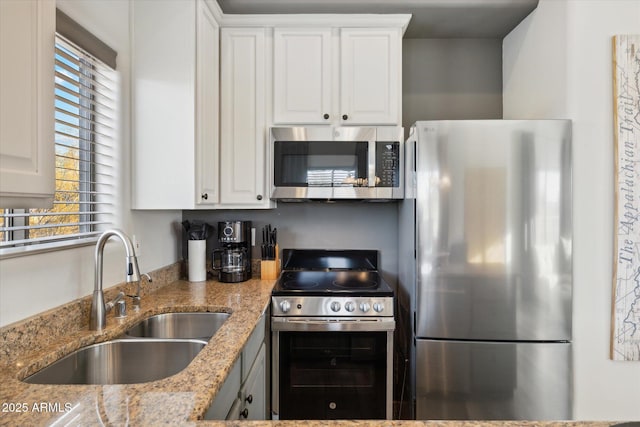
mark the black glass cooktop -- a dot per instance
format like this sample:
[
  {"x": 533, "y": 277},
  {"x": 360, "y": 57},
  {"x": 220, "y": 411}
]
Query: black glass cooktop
[
  {"x": 330, "y": 282},
  {"x": 321, "y": 272}
]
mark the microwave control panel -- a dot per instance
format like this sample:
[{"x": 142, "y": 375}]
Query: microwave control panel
[{"x": 387, "y": 164}]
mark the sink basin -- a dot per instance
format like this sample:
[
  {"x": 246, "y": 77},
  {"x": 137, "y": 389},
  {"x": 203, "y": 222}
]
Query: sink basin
[
  {"x": 123, "y": 361},
  {"x": 179, "y": 325}
]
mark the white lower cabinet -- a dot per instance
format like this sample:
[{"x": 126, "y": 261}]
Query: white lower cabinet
[
  {"x": 244, "y": 393},
  {"x": 234, "y": 412},
  {"x": 227, "y": 397},
  {"x": 253, "y": 400}
]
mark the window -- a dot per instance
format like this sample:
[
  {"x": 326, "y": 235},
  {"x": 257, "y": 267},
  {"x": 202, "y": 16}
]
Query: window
[{"x": 85, "y": 156}]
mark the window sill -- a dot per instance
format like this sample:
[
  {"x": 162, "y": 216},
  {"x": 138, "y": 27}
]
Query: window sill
[{"x": 25, "y": 250}]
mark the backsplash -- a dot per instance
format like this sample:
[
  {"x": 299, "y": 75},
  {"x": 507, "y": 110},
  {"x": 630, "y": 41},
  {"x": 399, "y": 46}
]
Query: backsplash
[
  {"x": 311, "y": 225},
  {"x": 44, "y": 329}
]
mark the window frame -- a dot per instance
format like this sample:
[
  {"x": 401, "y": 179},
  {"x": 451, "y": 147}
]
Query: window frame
[{"x": 90, "y": 152}]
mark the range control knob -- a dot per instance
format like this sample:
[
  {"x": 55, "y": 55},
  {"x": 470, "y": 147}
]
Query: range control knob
[
  {"x": 350, "y": 306},
  {"x": 335, "y": 306},
  {"x": 378, "y": 307},
  {"x": 364, "y": 306},
  {"x": 285, "y": 306}
]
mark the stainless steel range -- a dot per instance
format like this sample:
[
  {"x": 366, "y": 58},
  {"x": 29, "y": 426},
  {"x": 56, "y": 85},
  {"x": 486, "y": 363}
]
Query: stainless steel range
[{"x": 332, "y": 337}]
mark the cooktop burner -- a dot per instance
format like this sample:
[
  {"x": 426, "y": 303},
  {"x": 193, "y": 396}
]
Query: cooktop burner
[
  {"x": 322, "y": 272},
  {"x": 301, "y": 280},
  {"x": 355, "y": 284}
]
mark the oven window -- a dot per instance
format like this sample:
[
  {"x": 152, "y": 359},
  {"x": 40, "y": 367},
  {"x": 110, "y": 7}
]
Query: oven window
[
  {"x": 332, "y": 375},
  {"x": 320, "y": 164}
]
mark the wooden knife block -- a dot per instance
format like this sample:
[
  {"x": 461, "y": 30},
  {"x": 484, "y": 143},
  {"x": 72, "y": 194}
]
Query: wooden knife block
[{"x": 270, "y": 269}]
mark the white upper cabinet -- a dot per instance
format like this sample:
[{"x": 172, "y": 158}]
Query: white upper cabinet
[
  {"x": 344, "y": 76},
  {"x": 207, "y": 108},
  {"x": 243, "y": 131},
  {"x": 175, "y": 84},
  {"x": 27, "y": 30},
  {"x": 303, "y": 76},
  {"x": 207, "y": 86},
  {"x": 370, "y": 76}
]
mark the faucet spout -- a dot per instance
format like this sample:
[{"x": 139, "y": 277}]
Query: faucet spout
[{"x": 98, "y": 314}]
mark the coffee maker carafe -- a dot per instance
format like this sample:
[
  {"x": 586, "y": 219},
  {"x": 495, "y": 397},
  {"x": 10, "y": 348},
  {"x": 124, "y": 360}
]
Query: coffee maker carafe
[{"x": 233, "y": 260}]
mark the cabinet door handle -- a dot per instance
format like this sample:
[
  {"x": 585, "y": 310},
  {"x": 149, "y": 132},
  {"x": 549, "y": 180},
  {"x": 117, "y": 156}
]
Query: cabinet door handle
[
  {"x": 259, "y": 197},
  {"x": 326, "y": 116},
  {"x": 249, "y": 399},
  {"x": 205, "y": 196},
  {"x": 245, "y": 413},
  {"x": 345, "y": 117}
]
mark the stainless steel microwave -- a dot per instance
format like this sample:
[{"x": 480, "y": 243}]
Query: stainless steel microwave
[{"x": 334, "y": 163}]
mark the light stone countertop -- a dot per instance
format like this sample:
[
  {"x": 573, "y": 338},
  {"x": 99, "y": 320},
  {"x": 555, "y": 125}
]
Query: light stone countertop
[
  {"x": 181, "y": 399},
  {"x": 176, "y": 400}
]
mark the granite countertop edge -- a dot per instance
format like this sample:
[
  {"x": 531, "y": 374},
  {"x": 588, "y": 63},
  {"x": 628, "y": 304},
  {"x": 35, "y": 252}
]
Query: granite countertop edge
[{"x": 178, "y": 399}]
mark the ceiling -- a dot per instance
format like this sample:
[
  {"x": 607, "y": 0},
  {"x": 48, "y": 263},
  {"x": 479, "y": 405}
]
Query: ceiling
[{"x": 431, "y": 18}]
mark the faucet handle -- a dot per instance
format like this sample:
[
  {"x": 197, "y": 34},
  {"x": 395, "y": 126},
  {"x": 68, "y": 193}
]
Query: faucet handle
[
  {"x": 119, "y": 304},
  {"x": 121, "y": 309}
]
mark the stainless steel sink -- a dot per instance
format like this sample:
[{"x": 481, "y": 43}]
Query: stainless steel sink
[
  {"x": 179, "y": 325},
  {"x": 123, "y": 361}
]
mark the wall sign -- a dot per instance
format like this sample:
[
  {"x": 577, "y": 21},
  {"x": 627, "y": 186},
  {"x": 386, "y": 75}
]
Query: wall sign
[{"x": 625, "y": 323}]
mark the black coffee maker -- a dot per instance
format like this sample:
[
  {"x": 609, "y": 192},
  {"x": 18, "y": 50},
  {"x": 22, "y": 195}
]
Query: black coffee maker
[{"x": 233, "y": 260}]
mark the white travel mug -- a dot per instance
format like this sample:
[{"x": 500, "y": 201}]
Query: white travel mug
[{"x": 197, "y": 260}]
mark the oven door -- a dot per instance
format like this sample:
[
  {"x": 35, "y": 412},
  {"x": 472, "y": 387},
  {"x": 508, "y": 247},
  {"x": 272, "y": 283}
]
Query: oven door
[{"x": 332, "y": 369}]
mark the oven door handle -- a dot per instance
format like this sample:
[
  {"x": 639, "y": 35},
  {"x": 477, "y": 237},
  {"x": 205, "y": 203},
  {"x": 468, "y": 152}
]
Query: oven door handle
[{"x": 332, "y": 325}]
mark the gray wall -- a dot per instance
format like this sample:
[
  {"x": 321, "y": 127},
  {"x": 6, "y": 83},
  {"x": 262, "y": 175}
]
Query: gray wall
[
  {"x": 447, "y": 79},
  {"x": 317, "y": 225}
]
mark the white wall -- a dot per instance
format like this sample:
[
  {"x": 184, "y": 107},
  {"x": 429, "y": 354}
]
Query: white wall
[
  {"x": 32, "y": 284},
  {"x": 557, "y": 64}
]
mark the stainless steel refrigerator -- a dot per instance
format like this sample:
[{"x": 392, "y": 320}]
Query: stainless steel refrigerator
[{"x": 485, "y": 269}]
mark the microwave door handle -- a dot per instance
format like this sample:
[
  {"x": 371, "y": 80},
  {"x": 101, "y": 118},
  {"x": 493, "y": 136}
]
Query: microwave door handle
[{"x": 371, "y": 163}]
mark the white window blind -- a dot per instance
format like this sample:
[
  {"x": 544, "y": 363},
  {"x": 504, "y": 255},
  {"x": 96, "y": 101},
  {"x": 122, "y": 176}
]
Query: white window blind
[{"x": 85, "y": 156}]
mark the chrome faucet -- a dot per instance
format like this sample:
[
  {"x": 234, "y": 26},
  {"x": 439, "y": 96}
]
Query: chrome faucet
[{"x": 98, "y": 314}]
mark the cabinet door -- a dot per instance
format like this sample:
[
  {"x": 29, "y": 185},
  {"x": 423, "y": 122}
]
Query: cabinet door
[
  {"x": 175, "y": 94},
  {"x": 27, "y": 177},
  {"x": 253, "y": 393},
  {"x": 234, "y": 412},
  {"x": 163, "y": 104},
  {"x": 243, "y": 134},
  {"x": 302, "y": 76},
  {"x": 227, "y": 397},
  {"x": 370, "y": 72},
  {"x": 207, "y": 111},
  {"x": 252, "y": 347}
]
